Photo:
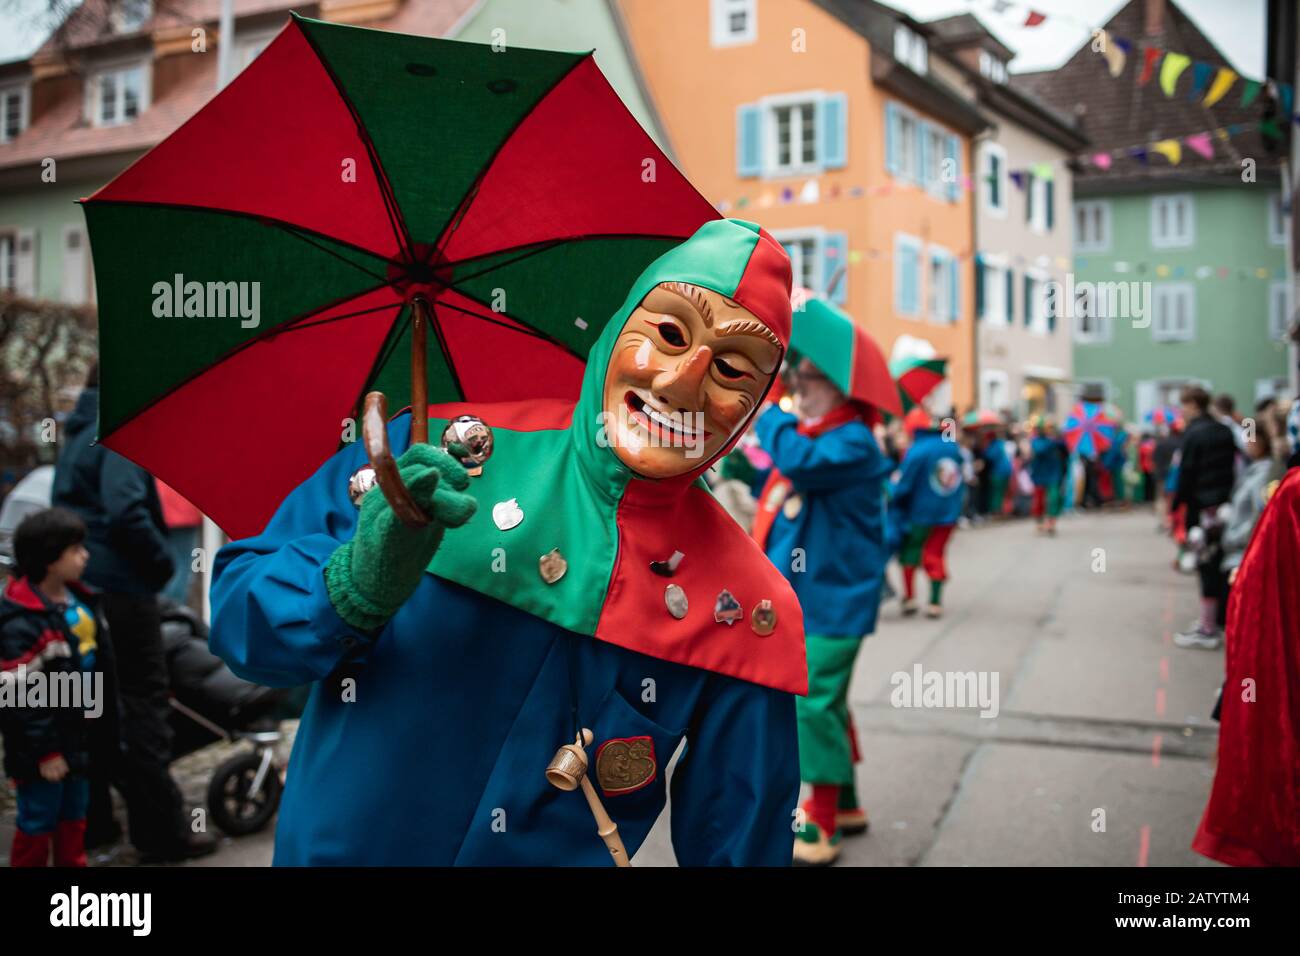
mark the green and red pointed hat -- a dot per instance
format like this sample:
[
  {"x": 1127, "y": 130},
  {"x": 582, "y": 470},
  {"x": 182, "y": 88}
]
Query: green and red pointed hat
[{"x": 845, "y": 353}]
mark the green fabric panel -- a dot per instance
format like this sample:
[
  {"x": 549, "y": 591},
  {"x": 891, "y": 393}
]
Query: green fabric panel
[
  {"x": 393, "y": 375},
  {"x": 436, "y": 110},
  {"x": 142, "y": 356},
  {"x": 566, "y": 481},
  {"x": 825, "y": 755},
  {"x": 825, "y": 335},
  {"x": 551, "y": 288}
]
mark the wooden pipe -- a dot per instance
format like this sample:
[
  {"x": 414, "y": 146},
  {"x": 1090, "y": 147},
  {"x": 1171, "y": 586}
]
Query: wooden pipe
[{"x": 568, "y": 771}]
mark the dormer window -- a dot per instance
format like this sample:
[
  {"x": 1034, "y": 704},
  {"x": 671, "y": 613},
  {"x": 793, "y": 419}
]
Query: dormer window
[
  {"x": 117, "y": 94},
  {"x": 992, "y": 68},
  {"x": 910, "y": 48},
  {"x": 130, "y": 15},
  {"x": 13, "y": 111}
]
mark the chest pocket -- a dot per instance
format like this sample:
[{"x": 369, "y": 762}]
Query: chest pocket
[{"x": 626, "y": 764}]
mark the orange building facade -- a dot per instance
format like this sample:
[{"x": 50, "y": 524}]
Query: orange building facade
[{"x": 825, "y": 122}]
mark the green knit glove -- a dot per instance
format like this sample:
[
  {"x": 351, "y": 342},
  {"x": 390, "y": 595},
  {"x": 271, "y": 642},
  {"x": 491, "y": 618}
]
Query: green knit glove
[{"x": 372, "y": 575}]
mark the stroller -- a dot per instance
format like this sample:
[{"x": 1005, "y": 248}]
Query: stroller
[{"x": 210, "y": 703}]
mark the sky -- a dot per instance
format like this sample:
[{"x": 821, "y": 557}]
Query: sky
[{"x": 1235, "y": 26}]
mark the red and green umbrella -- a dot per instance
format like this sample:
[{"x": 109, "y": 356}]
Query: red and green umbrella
[
  {"x": 981, "y": 418},
  {"x": 845, "y": 353},
  {"x": 258, "y": 272},
  {"x": 1088, "y": 429},
  {"x": 917, "y": 378}
]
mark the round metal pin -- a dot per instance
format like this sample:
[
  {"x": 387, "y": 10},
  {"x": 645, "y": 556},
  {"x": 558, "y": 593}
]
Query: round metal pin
[
  {"x": 675, "y": 598},
  {"x": 507, "y": 514},
  {"x": 362, "y": 480},
  {"x": 475, "y": 436},
  {"x": 727, "y": 610},
  {"x": 763, "y": 620},
  {"x": 552, "y": 566}
]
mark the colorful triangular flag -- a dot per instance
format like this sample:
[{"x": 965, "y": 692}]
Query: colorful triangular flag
[
  {"x": 1249, "y": 91},
  {"x": 1150, "y": 57},
  {"x": 1034, "y": 18},
  {"x": 1101, "y": 160},
  {"x": 1201, "y": 73},
  {"x": 1223, "y": 81},
  {"x": 1170, "y": 149},
  {"x": 1114, "y": 54},
  {"x": 1201, "y": 144},
  {"x": 1171, "y": 70}
]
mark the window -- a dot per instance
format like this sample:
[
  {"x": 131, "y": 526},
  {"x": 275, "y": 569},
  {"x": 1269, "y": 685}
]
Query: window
[
  {"x": 792, "y": 134},
  {"x": 78, "y": 280},
  {"x": 805, "y": 255},
  {"x": 992, "y": 68},
  {"x": 818, "y": 260},
  {"x": 992, "y": 291},
  {"x": 995, "y": 389},
  {"x": 1039, "y": 202},
  {"x": 8, "y": 261},
  {"x": 733, "y": 22},
  {"x": 130, "y": 15},
  {"x": 1037, "y": 319},
  {"x": 907, "y": 275},
  {"x": 1173, "y": 312},
  {"x": 993, "y": 177},
  {"x": 118, "y": 95},
  {"x": 941, "y": 286},
  {"x": 1172, "y": 222},
  {"x": 1091, "y": 316},
  {"x": 1276, "y": 220},
  {"x": 1092, "y": 226},
  {"x": 909, "y": 159},
  {"x": 910, "y": 49},
  {"x": 13, "y": 112},
  {"x": 1279, "y": 309},
  {"x": 934, "y": 151}
]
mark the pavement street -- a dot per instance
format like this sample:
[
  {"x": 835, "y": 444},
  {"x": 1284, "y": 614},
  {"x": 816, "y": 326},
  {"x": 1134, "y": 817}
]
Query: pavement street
[{"x": 1097, "y": 710}]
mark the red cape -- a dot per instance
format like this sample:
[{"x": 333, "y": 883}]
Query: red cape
[{"x": 1253, "y": 817}]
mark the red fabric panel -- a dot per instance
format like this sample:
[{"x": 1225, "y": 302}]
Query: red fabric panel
[
  {"x": 932, "y": 552},
  {"x": 495, "y": 364},
  {"x": 764, "y": 287},
  {"x": 593, "y": 151},
  {"x": 527, "y": 416},
  {"x": 278, "y": 155},
  {"x": 872, "y": 382},
  {"x": 655, "y": 519},
  {"x": 299, "y": 384},
  {"x": 1253, "y": 816}
]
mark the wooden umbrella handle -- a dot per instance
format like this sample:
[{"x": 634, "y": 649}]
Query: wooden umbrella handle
[
  {"x": 374, "y": 431},
  {"x": 605, "y": 826}
]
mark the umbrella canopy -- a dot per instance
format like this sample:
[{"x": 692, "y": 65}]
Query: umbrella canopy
[
  {"x": 1088, "y": 430},
  {"x": 256, "y": 271},
  {"x": 1163, "y": 415},
  {"x": 917, "y": 377},
  {"x": 981, "y": 418},
  {"x": 846, "y": 353}
]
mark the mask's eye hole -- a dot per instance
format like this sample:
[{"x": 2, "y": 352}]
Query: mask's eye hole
[
  {"x": 672, "y": 334},
  {"x": 727, "y": 371}
]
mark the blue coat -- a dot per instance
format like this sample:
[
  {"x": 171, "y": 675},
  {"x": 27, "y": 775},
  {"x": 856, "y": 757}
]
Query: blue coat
[
  {"x": 840, "y": 478},
  {"x": 996, "y": 460},
  {"x": 461, "y": 702},
  {"x": 1047, "y": 462},
  {"x": 929, "y": 488}
]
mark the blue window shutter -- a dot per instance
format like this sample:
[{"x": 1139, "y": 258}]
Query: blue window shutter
[
  {"x": 833, "y": 129},
  {"x": 953, "y": 151},
  {"x": 1029, "y": 197},
  {"x": 749, "y": 140},
  {"x": 891, "y": 139},
  {"x": 954, "y": 289},
  {"x": 835, "y": 253},
  {"x": 979, "y": 286},
  {"x": 914, "y": 280},
  {"x": 995, "y": 180},
  {"x": 1047, "y": 194},
  {"x": 1029, "y": 301},
  {"x": 1011, "y": 297}
]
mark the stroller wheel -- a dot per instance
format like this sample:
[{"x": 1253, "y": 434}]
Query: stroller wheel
[{"x": 237, "y": 811}]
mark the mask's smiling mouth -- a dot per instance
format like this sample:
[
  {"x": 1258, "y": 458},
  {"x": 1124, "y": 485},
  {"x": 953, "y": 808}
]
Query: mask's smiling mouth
[{"x": 669, "y": 427}]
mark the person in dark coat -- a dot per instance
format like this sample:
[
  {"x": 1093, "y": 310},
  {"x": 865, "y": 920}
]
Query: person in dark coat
[
  {"x": 49, "y": 629},
  {"x": 130, "y": 563},
  {"x": 1207, "y": 470}
]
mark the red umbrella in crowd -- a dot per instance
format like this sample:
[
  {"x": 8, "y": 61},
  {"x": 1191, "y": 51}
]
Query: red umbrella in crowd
[
  {"x": 1088, "y": 430},
  {"x": 917, "y": 377},
  {"x": 981, "y": 418},
  {"x": 361, "y": 210},
  {"x": 846, "y": 353}
]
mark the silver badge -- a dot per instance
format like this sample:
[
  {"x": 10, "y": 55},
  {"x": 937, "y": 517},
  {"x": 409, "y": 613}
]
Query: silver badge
[
  {"x": 507, "y": 514},
  {"x": 551, "y": 566},
  {"x": 474, "y": 434},
  {"x": 362, "y": 480},
  {"x": 675, "y": 598}
]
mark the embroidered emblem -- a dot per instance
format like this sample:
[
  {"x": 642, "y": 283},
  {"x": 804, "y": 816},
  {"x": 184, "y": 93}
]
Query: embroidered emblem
[{"x": 624, "y": 764}]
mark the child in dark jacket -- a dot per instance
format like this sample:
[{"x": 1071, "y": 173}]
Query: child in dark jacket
[
  {"x": 926, "y": 503},
  {"x": 1048, "y": 463},
  {"x": 48, "y": 633}
]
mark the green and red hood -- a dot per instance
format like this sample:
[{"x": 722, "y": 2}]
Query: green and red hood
[{"x": 610, "y": 524}]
